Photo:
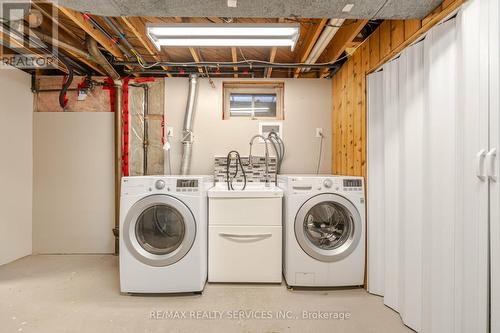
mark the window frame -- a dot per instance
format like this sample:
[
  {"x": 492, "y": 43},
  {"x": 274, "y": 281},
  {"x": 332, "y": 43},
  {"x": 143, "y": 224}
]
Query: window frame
[{"x": 230, "y": 87}]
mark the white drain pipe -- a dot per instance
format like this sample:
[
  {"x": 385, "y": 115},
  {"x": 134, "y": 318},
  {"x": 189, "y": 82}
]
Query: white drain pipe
[{"x": 187, "y": 131}]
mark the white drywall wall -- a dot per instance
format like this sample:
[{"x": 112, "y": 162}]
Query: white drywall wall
[
  {"x": 16, "y": 167},
  {"x": 308, "y": 105},
  {"x": 73, "y": 182}
]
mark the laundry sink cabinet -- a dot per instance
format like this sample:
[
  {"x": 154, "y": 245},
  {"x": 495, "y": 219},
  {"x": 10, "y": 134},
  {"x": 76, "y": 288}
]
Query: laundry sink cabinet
[{"x": 245, "y": 235}]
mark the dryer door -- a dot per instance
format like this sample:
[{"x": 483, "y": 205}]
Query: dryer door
[
  {"x": 159, "y": 230},
  {"x": 328, "y": 227}
]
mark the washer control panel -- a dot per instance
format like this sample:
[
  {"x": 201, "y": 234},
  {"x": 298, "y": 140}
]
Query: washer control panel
[{"x": 187, "y": 185}]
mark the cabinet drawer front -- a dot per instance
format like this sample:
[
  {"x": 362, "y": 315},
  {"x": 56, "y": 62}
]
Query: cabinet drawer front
[
  {"x": 244, "y": 254},
  {"x": 245, "y": 211}
]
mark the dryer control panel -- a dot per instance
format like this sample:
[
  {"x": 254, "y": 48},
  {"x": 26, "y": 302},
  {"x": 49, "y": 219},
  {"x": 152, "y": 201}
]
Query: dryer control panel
[{"x": 353, "y": 184}]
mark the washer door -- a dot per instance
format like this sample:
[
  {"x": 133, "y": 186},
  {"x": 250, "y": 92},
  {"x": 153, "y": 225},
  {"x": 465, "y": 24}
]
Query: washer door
[
  {"x": 328, "y": 227},
  {"x": 159, "y": 230}
]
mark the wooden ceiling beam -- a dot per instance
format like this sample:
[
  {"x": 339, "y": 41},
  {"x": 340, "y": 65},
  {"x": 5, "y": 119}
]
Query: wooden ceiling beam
[
  {"x": 234, "y": 56},
  {"x": 55, "y": 20},
  {"x": 87, "y": 62},
  {"x": 308, "y": 43},
  {"x": 272, "y": 55},
  {"x": 345, "y": 35},
  {"x": 6, "y": 39},
  {"x": 196, "y": 58},
  {"x": 93, "y": 32},
  {"x": 143, "y": 39},
  {"x": 194, "y": 53},
  {"x": 71, "y": 48},
  {"x": 216, "y": 20},
  {"x": 102, "y": 39}
]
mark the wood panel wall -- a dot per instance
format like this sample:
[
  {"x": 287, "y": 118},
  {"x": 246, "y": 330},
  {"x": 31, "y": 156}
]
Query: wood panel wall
[{"x": 349, "y": 85}]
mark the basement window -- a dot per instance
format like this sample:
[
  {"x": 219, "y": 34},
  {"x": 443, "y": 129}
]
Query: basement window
[{"x": 243, "y": 100}]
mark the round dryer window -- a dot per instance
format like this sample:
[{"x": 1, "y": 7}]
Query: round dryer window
[
  {"x": 159, "y": 230},
  {"x": 328, "y": 227}
]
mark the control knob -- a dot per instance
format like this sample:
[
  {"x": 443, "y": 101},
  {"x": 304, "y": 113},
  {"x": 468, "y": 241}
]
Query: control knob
[
  {"x": 160, "y": 184},
  {"x": 328, "y": 183}
]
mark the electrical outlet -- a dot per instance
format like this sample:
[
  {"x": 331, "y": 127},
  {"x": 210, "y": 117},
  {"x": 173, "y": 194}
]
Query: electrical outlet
[
  {"x": 319, "y": 132},
  {"x": 170, "y": 132}
]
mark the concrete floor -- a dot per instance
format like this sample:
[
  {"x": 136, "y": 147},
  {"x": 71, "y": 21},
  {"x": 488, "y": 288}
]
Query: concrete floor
[{"x": 76, "y": 293}]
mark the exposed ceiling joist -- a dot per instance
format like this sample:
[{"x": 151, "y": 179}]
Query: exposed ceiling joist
[
  {"x": 7, "y": 40},
  {"x": 194, "y": 53},
  {"x": 71, "y": 50},
  {"x": 272, "y": 55},
  {"x": 308, "y": 43},
  {"x": 196, "y": 58},
  {"x": 50, "y": 32},
  {"x": 80, "y": 20},
  {"x": 135, "y": 37},
  {"x": 143, "y": 39},
  {"x": 234, "y": 57},
  {"x": 55, "y": 20},
  {"x": 216, "y": 19},
  {"x": 340, "y": 42}
]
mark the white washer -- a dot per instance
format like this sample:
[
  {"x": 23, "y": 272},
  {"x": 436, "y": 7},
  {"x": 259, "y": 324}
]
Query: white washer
[
  {"x": 163, "y": 234},
  {"x": 324, "y": 230}
]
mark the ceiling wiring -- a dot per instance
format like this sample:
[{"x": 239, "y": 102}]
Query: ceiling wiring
[{"x": 248, "y": 62}]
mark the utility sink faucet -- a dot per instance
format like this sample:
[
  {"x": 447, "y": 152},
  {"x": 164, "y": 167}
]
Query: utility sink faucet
[{"x": 250, "y": 157}]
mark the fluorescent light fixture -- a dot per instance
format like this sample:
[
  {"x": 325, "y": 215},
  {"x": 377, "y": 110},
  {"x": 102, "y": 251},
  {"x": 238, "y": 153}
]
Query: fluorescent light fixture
[
  {"x": 323, "y": 41},
  {"x": 184, "y": 35}
]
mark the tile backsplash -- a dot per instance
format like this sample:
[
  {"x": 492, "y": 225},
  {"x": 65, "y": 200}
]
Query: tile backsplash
[{"x": 255, "y": 173}]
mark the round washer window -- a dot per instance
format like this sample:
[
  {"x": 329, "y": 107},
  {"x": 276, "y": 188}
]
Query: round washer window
[
  {"x": 328, "y": 225},
  {"x": 160, "y": 229}
]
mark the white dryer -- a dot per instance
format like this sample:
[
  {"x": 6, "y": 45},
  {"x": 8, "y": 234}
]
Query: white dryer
[
  {"x": 163, "y": 234},
  {"x": 324, "y": 230}
]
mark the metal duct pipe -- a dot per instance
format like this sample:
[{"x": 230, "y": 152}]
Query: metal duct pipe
[
  {"x": 101, "y": 60},
  {"x": 187, "y": 131}
]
